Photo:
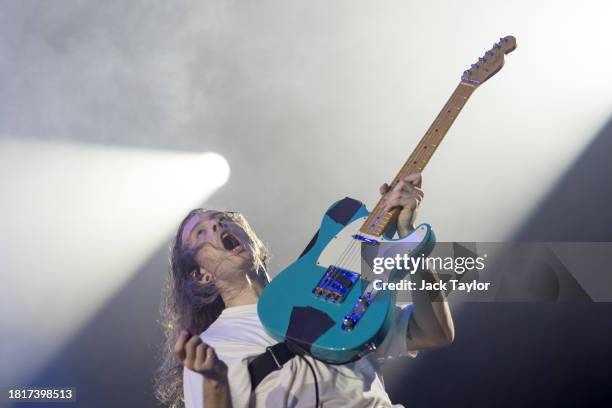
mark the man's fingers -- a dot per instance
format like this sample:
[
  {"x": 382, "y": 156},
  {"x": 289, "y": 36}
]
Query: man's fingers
[
  {"x": 195, "y": 354},
  {"x": 415, "y": 179},
  {"x": 179, "y": 346},
  {"x": 206, "y": 359},
  {"x": 190, "y": 351},
  {"x": 402, "y": 198},
  {"x": 407, "y": 190},
  {"x": 407, "y": 187},
  {"x": 404, "y": 185},
  {"x": 384, "y": 188},
  {"x": 180, "y": 341},
  {"x": 391, "y": 202},
  {"x": 410, "y": 200},
  {"x": 408, "y": 183},
  {"x": 200, "y": 357},
  {"x": 414, "y": 191},
  {"x": 211, "y": 358}
]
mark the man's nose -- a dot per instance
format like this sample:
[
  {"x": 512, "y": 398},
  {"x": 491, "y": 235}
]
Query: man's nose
[{"x": 211, "y": 233}]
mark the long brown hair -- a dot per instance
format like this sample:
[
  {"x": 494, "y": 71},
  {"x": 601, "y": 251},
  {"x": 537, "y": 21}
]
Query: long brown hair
[{"x": 189, "y": 304}]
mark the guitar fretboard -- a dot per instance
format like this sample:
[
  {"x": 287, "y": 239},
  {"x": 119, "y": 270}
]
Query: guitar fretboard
[{"x": 378, "y": 219}]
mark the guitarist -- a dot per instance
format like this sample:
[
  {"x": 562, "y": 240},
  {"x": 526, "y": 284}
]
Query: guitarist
[{"x": 218, "y": 270}]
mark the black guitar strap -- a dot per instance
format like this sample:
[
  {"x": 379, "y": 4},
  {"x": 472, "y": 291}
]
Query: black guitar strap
[{"x": 271, "y": 360}]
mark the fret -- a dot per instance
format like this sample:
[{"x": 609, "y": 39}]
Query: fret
[{"x": 418, "y": 160}]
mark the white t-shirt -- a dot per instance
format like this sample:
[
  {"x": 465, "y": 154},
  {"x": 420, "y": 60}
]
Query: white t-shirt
[{"x": 238, "y": 336}]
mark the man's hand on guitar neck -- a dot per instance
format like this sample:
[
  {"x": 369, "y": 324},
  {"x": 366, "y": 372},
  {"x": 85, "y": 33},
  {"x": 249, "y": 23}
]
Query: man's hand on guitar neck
[
  {"x": 431, "y": 323},
  {"x": 407, "y": 195}
]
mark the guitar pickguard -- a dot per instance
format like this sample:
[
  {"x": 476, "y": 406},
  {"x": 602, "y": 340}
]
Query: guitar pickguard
[{"x": 343, "y": 250}]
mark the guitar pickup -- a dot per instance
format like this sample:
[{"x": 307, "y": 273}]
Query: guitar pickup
[{"x": 335, "y": 284}]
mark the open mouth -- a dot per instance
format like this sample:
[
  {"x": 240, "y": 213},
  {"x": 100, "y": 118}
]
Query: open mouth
[{"x": 229, "y": 241}]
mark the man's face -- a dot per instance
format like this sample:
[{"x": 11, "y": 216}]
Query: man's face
[{"x": 219, "y": 244}]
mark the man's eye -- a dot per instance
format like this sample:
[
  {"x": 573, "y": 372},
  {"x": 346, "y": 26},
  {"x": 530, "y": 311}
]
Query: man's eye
[{"x": 200, "y": 232}]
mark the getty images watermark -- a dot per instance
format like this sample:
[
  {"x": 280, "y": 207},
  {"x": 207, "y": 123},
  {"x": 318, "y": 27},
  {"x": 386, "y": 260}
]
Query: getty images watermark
[
  {"x": 443, "y": 265},
  {"x": 494, "y": 271}
]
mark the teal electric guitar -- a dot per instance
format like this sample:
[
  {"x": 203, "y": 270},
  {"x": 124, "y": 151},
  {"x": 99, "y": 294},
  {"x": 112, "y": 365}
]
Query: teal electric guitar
[{"x": 326, "y": 303}]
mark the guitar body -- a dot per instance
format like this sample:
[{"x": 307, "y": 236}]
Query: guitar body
[{"x": 290, "y": 310}]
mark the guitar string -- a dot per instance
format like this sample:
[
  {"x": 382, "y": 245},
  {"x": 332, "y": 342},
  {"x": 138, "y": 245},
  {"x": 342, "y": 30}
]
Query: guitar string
[
  {"x": 450, "y": 103},
  {"x": 345, "y": 263},
  {"x": 353, "y": 257},
  {"x": 335, "y": 268},
  {"x": 349, "y": 254}
]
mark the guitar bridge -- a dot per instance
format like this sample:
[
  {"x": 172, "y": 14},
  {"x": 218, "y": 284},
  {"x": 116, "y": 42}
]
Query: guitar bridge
[{"x": 335, "y": 284}]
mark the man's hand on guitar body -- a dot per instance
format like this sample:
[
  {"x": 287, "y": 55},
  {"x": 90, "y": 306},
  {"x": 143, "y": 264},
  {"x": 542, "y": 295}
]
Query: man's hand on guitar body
[{"x": 407, "y": 195}]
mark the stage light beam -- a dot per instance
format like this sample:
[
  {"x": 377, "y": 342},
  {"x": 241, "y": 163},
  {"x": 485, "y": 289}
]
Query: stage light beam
[{"x": 77, "y": 222}]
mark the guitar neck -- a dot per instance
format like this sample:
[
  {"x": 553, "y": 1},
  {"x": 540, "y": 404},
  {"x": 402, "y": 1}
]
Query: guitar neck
[{"x": 379, "y": 219}]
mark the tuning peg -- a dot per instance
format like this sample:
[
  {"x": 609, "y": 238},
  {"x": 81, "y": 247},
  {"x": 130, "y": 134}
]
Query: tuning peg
[
  {"x": 490, "y": 53},
  {"x": 496, "y": 45},
  {"x": 475, "y": 66},
  {"x": 467, "y": 72},
  {"x": 481, "y": 59}
]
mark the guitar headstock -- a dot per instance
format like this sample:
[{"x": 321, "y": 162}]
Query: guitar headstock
[{"x": 490, "y": 63}]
